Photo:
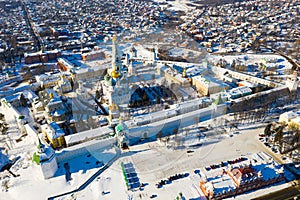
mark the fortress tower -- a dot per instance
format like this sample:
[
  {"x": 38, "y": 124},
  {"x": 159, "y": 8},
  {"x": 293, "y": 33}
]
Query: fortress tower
[
  {"x": 45, "y": 157},
  {"x": 292, "y": 82}
]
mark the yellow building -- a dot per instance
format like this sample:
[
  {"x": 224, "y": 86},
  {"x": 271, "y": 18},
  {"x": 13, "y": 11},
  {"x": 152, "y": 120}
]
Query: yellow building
[
  {"x": 54, "y": 134},
  {"x": 207, "y": 85}
]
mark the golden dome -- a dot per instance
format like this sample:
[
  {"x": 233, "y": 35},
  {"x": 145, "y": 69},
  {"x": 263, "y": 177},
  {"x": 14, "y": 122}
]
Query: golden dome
[
  {"x": 114, "y": 38},
  {"x": 184, "y": 73},
  {"x": 115, "y": 74}
]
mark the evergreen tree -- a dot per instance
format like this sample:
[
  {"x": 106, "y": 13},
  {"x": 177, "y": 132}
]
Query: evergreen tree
[
  {"x": 267, "y": 131},
  {"x": 279, "y": 135},
  {"x": 97, "y": 94}
]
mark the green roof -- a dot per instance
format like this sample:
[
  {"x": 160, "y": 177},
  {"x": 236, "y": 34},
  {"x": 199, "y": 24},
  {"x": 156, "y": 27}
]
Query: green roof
[
  {"x": 218, "y": 100},
  {"x": 119, "y": 128},
  {"x": 36, "y": 158}
]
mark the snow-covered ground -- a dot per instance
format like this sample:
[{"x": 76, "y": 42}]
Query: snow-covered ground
[
  {"x": 152, "y": 161},
  {"x": 178, "y": 5},
  {"x": 31, "y": 185},
  {"x": 155, "y": 161},
  {"x": 269, "y": 60}
]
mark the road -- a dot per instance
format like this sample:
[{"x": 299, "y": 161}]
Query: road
[{"x": 32, "y": 26}]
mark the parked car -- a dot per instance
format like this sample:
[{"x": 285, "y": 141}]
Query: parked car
[{"x": 267, "y": 144}]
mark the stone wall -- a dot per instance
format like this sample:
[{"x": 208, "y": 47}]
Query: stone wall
[{"x": 84, "y": 148}]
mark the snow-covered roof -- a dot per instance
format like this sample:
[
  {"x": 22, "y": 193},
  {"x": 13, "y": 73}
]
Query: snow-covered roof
[
  {"x": 47, "y": 77},
  {"x": 189, "y": 103},
  {"x": 240, "y": 91},
  {"x": 287, "y": 116},
  {"x": 194, "y": 71},
  {"x": 209, "y": 81},
  {"x": 99, "y": 64},
  {"x": 221, "y": 184},
  {"x": 269, "y": 171},
  {"x": 12, "y": 98},
  {"x": 66, "y": 63},
  {"x": 87, "y": 135},
  {"x": 52, "y": 130},
  {"x": 58, "y": 131},
  {"x": 38, "y": 105},
  {"x": 28, "y": 94},
  {"x": 296, "y": 120},
  {"x": 46, "y": 154},
  {"x": 55, "y": 100}
]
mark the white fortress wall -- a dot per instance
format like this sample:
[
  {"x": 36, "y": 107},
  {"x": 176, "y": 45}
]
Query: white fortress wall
[
  {"x": 84, "y": 148},
  {"x": 168, "y": 125}
]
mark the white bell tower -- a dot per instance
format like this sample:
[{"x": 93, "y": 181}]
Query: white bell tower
[{"x": 293, "y": 82}]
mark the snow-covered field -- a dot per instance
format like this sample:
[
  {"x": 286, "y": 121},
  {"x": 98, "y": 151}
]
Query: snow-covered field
[
  {"x": 155, "y": 161},
  {"x": 177, "y": 5},
  {"x": 270, "y": 60},
  {"x": 31, "y": 185}
]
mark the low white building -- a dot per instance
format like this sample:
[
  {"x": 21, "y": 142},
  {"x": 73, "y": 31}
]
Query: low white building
[
  {"x": 291, "y": 118},
  {"x": 287, "y": 116},
  {"x": 239, "y": 92}
]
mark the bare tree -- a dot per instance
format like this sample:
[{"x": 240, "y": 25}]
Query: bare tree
[
  {"x": 279, "y": 135},
  {"x": 159, "y": 135},
  {"x": 3, "y": 124}
]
